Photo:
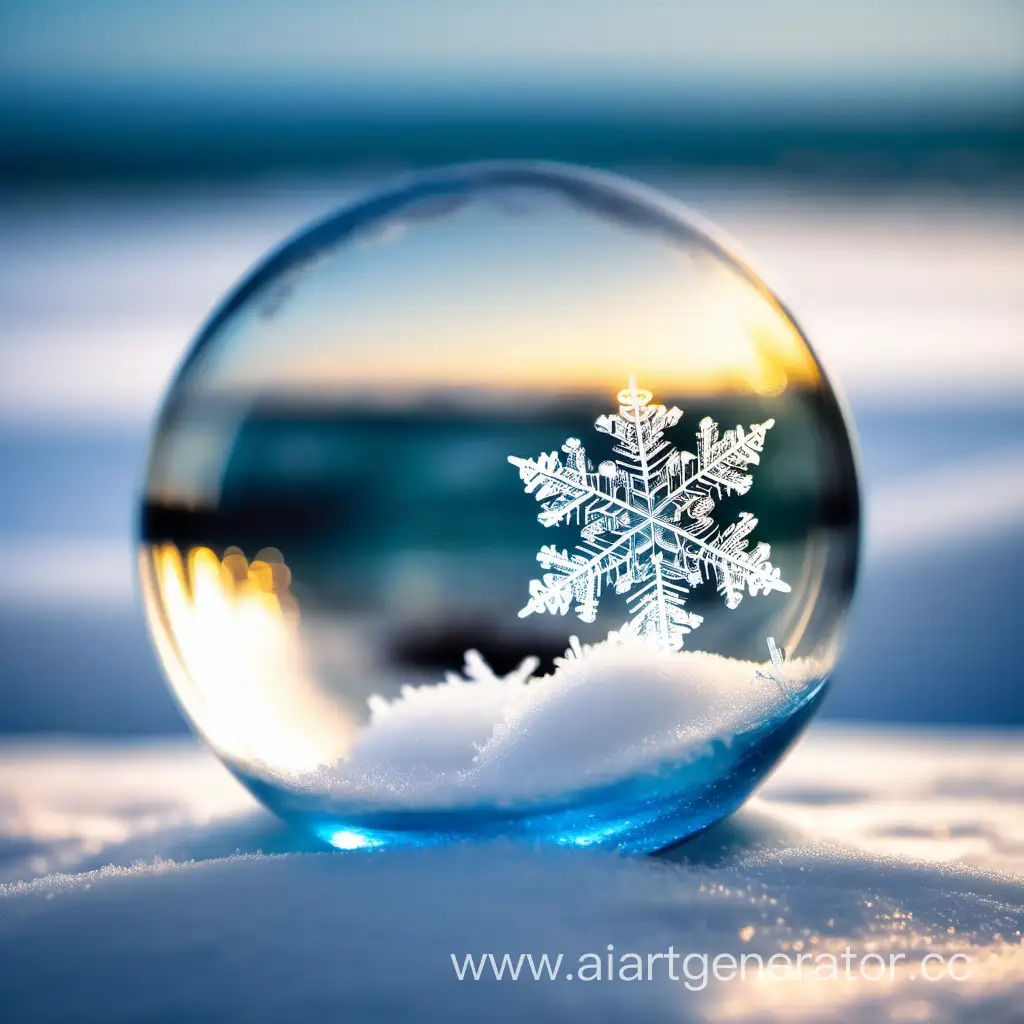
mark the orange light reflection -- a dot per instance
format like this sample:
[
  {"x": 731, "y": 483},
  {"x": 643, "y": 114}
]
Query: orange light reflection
[{"x": 228, "y": 632}]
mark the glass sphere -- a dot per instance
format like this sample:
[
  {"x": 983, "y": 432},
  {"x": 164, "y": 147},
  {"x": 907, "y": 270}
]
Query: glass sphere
[{"x": 505, "y": 501}]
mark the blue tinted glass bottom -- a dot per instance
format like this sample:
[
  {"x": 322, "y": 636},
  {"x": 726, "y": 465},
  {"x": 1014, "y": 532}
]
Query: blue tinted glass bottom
[{"x": 640, "y": 814}]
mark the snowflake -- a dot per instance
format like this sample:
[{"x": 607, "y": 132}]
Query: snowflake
[{"x": 646, "y": 521}]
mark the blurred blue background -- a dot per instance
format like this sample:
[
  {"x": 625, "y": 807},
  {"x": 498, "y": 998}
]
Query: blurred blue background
[{"x": 870, "y": 156}]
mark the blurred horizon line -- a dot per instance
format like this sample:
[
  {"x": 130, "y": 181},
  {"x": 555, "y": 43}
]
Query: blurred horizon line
[{"x": 171, "y": 136}]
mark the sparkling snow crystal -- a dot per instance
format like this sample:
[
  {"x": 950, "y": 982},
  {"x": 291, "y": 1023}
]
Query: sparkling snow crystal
[{"x": 647, "y": 521}]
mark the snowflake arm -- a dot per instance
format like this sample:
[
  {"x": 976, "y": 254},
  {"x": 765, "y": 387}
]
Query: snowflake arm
[
  {"x": 657, "y": 607},
  {"x": 646, "y": 460},
  {"x": 565, "y": 488},
  {"x": 735, "y": 567},
  {"x": 575, "y": 577},
  {"x": 720, "y": 462}
]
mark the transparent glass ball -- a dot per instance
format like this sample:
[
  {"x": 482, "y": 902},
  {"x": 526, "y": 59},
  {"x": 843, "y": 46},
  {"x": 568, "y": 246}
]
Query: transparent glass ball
[{"x": 505, "y": 501}]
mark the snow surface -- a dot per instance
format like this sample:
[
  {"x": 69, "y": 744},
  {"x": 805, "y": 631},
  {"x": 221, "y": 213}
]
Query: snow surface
[
  {"x": 609, "y": 711},
  {"x": 191, "y": 923}
]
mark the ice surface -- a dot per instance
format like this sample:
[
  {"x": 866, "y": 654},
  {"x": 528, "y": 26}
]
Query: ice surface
[{"x": 610, "y": 711}]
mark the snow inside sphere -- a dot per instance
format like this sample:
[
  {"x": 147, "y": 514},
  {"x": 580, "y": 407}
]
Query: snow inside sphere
[{"x": 505, "y": 501}]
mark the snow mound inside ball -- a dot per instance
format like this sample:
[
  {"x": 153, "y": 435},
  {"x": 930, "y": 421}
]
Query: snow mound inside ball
[{"x": 609, "y": 711}]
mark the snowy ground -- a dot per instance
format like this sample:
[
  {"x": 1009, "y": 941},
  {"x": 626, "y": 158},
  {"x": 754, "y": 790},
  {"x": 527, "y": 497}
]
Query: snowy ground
[{"x": 880, "y": 840}]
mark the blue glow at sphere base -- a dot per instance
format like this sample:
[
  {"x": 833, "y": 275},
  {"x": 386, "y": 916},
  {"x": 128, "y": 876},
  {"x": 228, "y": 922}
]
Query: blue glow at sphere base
[
  {"x": 506, "y": 501},
  {"x": 639, "y": 815}
]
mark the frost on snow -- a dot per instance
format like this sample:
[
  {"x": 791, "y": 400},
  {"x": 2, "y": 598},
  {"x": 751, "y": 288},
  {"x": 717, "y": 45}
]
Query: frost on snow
[
  {"x": 776, "y": 673},
  {"x": 647, "y": 521}
]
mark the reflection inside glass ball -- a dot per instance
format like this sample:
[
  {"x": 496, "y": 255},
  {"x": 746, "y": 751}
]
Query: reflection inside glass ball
[{"x": 505, "y": 502}]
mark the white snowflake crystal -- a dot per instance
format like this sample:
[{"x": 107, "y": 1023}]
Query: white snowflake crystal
[{"x": 647, "y": 521}]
